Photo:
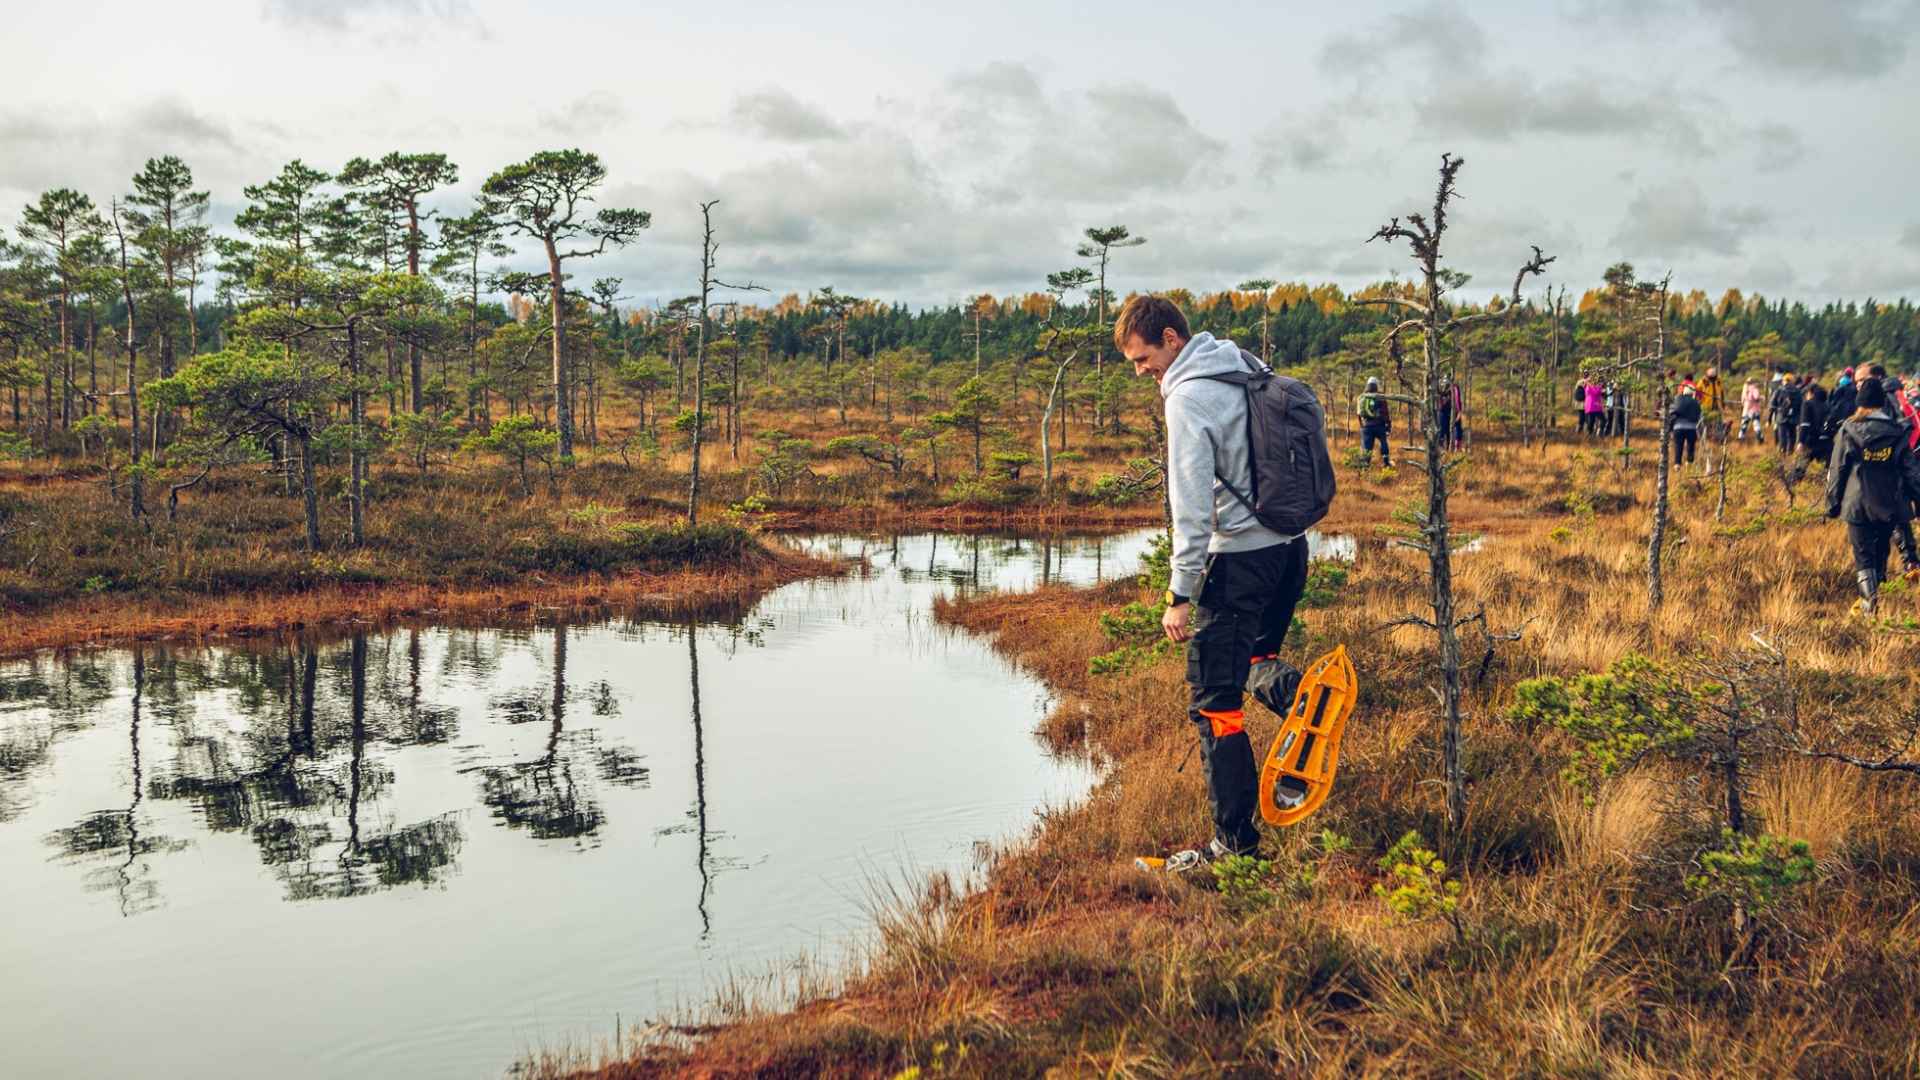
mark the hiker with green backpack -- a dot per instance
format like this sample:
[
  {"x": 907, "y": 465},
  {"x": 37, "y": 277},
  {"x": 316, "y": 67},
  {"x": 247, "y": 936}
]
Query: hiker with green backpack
[
  {"x": 1247, "y": 474},
  {"x": 1376, "y": 423}
]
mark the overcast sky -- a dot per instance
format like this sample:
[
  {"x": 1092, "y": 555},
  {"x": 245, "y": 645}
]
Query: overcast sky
[{"x": 926, "y": 156}]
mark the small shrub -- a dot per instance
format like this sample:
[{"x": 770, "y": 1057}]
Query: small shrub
[
  {"x": 593, "y": 515},
  {"x": 1325, "y": 579},
  {"x": 1128, "y": 658},
  {"x": 1120, "y": 489},
  {"x": 1135, "y": 628},
  {"x": 1333, "y": 843},
  {"x": 1753, "y": 873},
  {"x": 1244, "y": 882},
  {"x": 1008, "y": 463},
  {"x": 1637, "y": 707},
  {"x": 989, "y": 489},
  {"x": 1420, "y": 888},
  {"x": 947, "y": 1059}
]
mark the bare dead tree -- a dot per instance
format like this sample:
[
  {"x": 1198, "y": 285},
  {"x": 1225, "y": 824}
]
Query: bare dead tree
[
  {"x": 1650, "y": 367},
  {"x": 708, "y": 247},
  {"x": 135, "y": 474},
  {"x": 1429, "y": 318},
  {"x": 1657, "y": 537},
  {"x": 1100, "y": 245},
  {"x": 1556, "y": 306},
  {"x": 1067, "y": 343}
]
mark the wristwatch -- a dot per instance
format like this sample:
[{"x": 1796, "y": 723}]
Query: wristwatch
[{"x": 1174, "y": 599}]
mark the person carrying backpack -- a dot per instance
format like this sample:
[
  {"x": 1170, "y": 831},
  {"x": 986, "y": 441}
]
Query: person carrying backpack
[
  {"x": 1871, "y": 483},
  {"x": 1901, "y": 413},
  {"x": 1839, "y": 406},
  {"x": 1785, "y": 410},
  {"x": 1376, "y": 423},
  {"x": 1684, "y": 415},
  {"x": 1713, "y": 392},
  {"x": 1815, "y": 443},
  {"x": 1235, "y": 580}
]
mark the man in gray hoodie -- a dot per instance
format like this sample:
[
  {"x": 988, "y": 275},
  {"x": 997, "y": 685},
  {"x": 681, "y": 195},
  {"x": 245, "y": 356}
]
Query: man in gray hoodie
[{"x": 1235, "y": 582}]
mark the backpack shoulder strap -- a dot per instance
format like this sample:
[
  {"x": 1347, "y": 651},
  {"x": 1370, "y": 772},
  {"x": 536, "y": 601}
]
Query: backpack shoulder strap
[{"x": 1255, "y": 370}]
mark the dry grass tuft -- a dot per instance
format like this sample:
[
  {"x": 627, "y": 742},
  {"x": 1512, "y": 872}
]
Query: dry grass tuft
[
  {"x": 1611, "y": 829},
  {"x": 1821, "y": 802}
]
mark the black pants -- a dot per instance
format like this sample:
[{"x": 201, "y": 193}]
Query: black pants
[
  {"x": 1783, "y": 435},
  {"x": 1871, "y": 540},
  {"x": 1685, "y": 440},
  {"x": 1589, "y": 423},
  {"x": 1370, "y": 434},
  {"x": 1242, "y": 612}
]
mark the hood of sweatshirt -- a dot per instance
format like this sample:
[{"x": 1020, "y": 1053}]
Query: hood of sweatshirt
[
  {"x": 1877, "y": 431},
  {"x": 1204, "y": 355}
]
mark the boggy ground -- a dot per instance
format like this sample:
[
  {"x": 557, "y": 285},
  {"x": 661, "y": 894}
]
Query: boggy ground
[
  {"x": 75, "y": 569},
  {"x": 463, "y": 539},
  {"x": 1580, "y": 952}
]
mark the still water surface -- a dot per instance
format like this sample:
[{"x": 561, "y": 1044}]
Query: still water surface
[{"x": 424, "y": 852}]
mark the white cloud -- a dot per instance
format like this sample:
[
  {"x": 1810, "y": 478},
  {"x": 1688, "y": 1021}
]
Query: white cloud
[
  {"x": 1832, "y": 39},
  {"x": 776, "y": 115},
  {"x": 341, "y": 16},
  {"x": 1674, "y": 220},
  {"x": 588, "y": 115}
]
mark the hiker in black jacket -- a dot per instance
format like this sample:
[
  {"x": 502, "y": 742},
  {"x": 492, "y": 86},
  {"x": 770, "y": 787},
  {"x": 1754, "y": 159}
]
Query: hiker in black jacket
[
  {"x": 1785, "y": 408},
  {"x": 1815, "y": 443},
  {"x": 1841, "y": 403},
  {"x": 1871, "y": 483},
  {"x": 1903, "y": 532},
  {"x": 1685, "y": 418}
]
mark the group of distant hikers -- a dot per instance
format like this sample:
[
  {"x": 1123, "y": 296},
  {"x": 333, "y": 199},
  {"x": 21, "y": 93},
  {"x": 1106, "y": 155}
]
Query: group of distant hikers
[
  {"x": 1376, "y": 420},
  {"x": 1241, "y": 499},
  {"x": 1866, "y": 430}
]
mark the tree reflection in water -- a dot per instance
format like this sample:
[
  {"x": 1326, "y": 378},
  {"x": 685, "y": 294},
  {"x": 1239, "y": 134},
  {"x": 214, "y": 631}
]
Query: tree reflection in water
[
  {"x": 550, "y": 796},
  {"x": 38, "y": 708},
  {"x": 113, "y": 832},
  {"x": 294, "y": 748}
]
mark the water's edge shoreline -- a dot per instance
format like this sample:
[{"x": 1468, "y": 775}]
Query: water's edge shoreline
[{"x": 682, "y": 590}]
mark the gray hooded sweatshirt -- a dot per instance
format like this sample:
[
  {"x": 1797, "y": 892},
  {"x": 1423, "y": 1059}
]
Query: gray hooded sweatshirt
[{"x": 1207, "y": 434}]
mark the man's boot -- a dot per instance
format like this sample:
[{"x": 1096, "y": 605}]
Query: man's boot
[
  {"x": 1909, "y": 555},
  {"x": 1273, "y": 684},
  {"x": 1869, "y": 583}
]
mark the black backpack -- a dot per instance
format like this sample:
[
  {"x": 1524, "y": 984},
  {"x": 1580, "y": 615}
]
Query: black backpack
[{"x": 1292, "y": 472}]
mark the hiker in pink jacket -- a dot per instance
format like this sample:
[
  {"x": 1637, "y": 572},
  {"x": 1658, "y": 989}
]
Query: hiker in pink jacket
[
  {"x": 1596, "y": 404},
  {"x": 1750, "y": 409}
]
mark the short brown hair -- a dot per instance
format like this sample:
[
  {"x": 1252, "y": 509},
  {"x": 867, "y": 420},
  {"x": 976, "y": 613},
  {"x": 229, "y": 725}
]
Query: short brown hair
[{"x": 1149, "y": 316}]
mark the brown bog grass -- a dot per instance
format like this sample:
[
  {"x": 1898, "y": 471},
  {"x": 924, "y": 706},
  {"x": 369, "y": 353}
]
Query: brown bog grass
[
  {"x": 663, "y": 593},
  {"x": 1583, "y": 954},
  {"x": 461, "y": 537}
]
